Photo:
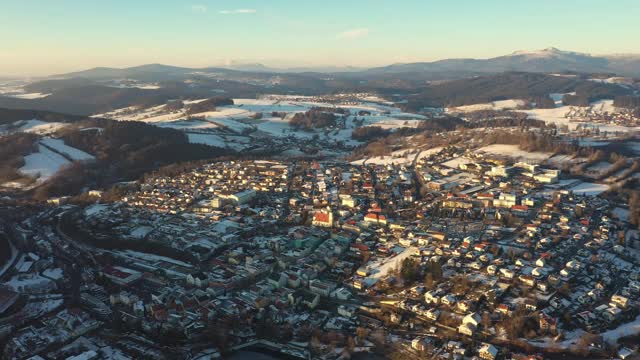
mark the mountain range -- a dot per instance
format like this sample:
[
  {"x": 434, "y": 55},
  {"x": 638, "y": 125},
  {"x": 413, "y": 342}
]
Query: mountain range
[
  {"x": 549, "y": 60},
  {"x": 524, "y": 74}
]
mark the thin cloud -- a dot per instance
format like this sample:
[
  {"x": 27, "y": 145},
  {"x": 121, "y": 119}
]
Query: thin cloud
[
  {"x": 353, "y": 34},
  {"x": 238, "y": 11},
  {"x": 199, "y": 8}
]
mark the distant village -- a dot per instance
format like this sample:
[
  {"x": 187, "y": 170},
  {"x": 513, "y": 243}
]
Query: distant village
[
  {"x": 600, "y": 115},
  {"x": 458, "y": 254}
]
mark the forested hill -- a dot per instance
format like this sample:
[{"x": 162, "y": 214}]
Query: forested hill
[
  {"x": 8, "y": 116},
  {"x": 124, "y": 150},
  {"x": 513, "y": 85}
]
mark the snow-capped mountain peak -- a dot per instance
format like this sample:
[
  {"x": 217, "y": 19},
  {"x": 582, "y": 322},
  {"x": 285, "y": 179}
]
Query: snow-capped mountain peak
[{"x": 548, "y": 52}]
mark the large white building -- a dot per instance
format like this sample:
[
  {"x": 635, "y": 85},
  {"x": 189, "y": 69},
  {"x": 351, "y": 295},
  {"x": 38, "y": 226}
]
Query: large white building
[
  {"x": 503, "y": 171},
  {"x": 547, "y": 176},
  {"x": 505, "y": 201},
  {"x": 243, "y": 197}
]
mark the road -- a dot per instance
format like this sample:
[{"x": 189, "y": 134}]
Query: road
[
  {"x": 83, "y": 249},
  {"x": 8, "y": 234}
]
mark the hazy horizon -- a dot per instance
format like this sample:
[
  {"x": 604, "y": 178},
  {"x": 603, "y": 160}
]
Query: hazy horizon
[{"x": 71, "y": 35}]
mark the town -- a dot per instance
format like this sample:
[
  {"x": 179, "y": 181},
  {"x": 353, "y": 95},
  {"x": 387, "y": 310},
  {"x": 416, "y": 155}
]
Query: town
[
  {"x": 454, "y": 254},
  {"x": 334, "y": 180}
]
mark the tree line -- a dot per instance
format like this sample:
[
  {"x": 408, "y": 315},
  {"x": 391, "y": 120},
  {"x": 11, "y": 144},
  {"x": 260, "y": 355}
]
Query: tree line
[
  {"x": 634, "y": 208},
  {"x": 5, "y": 250},
  {"x": 8, "y": 116},
  {"x": 474, "y": 120},
  {"x": 627, "y": 101},
  {"x": 13, "y": 149},
  {"x": 533, "y": 142},
  {"x": 208, "y": 105},
  {"x": 313, "y": 118},
  {"x": 366, "y": 133}
]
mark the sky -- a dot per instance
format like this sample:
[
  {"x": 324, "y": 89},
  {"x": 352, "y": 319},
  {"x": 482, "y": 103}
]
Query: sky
[{"x": 42, "y": 37}]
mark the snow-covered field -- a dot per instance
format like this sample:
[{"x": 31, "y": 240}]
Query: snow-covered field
[
  {"x": 557, "y": 116},
  {"x": 207, "y": 139},
  {"x": 553, "y": 116},
  {"x": 32, "y": 126},
  {"x": 515, "y": 152},
  {"x": 456, "y": 162},
  {"x": 95, "y": 209},
  {"x": 426, "y": 153},
  {"x": 43, "y": 164},
  {"x": 390, "y": 124},
  {"x": 237, "y": 143},
  {"x": 622, "y": 81},
  {"x": 137, "y": 86},
  {"x": 598, "y": 169},
  {"x": 399, "y": 157},
  {"x": 30, "y": 96},
  {"x": 382, "y": 268},
  {"x": 604, "y": 105},
  {"x": 59, "y": 146},
  {"x": 277, "y": 127},
  {"x": 15, "y": 89},
  {"x": 381, "y": 115},
  {"x": 387, "y": 160},
  {"x": 560, "y": 160},
  {"x": 52, "y": 155},
  {"x": 496, "y": 105},
  {"x": 589, "y": 189},
  {"x": 239, "y": 119},
  {"x": 230, "y": 123},
  {"x": 46, "y": 162},
  {"x": 628, "y": 329}
]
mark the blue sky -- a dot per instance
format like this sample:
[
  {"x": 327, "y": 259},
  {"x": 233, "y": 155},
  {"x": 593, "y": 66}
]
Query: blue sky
[{"x": 50, "y": 36}]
